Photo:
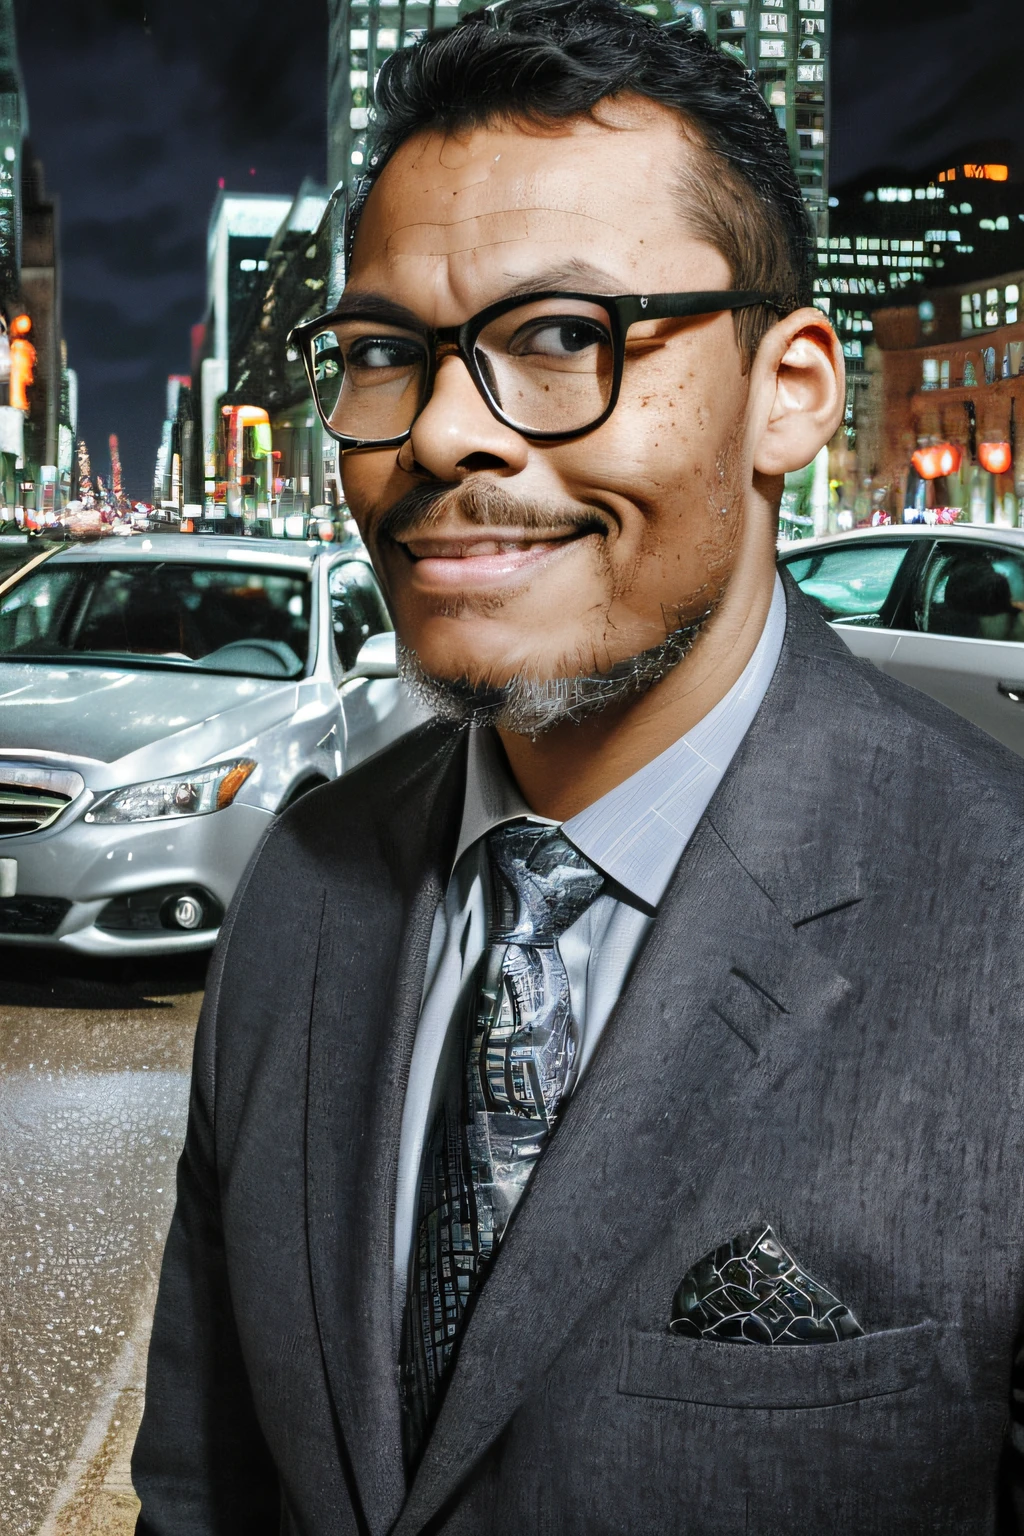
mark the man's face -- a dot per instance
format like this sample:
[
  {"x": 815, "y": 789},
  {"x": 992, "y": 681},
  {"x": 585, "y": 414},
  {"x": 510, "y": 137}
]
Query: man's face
[{"x": 552, "y": 559}]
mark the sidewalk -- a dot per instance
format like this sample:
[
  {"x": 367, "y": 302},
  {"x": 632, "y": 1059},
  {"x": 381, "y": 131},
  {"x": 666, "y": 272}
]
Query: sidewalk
[{"x": 97, "y": 1497}]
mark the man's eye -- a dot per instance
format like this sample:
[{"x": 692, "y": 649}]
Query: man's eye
[
  {"x": 372, "y": 352},
  {"x": 557, "y": 337}
]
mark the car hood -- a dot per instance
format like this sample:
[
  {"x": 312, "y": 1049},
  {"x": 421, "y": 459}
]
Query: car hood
[{"x": 106, "y": 713}]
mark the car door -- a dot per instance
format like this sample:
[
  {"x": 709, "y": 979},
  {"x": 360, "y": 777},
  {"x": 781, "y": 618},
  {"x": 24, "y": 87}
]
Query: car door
[
  {"x": 376, "y": 710},
  {"x": 967, "y": 646},
  {"x": 860, "y": 587}
]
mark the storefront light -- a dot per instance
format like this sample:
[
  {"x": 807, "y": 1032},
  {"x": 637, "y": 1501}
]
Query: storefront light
[
  {"x": 939, "y": 459},
  {"x": 995, "y": 457}
]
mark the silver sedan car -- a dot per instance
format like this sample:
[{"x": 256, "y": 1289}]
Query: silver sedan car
[
  {"x": 161, "y": 699},
  {"x": 939, "y": 607}
]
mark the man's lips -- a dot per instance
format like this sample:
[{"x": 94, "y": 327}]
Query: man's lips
[
  {"x": 484, "y": 558},
  {"x": 483, "y": 546}
]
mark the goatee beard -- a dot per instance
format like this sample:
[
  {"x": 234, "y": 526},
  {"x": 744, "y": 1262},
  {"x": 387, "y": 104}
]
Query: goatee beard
[{"x": 529, "y": 706}]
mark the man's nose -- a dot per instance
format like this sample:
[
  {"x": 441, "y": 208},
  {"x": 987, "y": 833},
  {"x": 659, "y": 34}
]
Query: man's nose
[{"x": 456, "y": 435}]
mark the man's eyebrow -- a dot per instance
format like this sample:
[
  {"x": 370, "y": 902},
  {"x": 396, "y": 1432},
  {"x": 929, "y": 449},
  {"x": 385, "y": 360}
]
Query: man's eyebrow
[
  {"x": 571, "y": 274},
  {"x": 377, "y": 306}
]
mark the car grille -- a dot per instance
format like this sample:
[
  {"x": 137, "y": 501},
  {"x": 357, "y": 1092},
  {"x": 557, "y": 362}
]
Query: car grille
[
  {"x": 32, "y": 914},
  {"x": 32, "y": 797}
]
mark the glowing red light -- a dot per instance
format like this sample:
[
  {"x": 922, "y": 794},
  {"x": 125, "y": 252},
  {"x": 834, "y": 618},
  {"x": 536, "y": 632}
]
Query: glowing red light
[
  {"x": 995, "y": 457},
  {"x": 940, "y": 459}
]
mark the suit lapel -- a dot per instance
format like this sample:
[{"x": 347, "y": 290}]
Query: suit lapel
[
  {"x": 709, "y": 1004},
  {"x": 373, "y": 949},
  {"x": 728, "y": 989}
]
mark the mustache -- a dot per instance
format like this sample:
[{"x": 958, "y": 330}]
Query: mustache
[{"x": 485, "y": 505}]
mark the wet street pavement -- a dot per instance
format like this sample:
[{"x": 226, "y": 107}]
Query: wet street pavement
[{"x": 94, "y": 1064}]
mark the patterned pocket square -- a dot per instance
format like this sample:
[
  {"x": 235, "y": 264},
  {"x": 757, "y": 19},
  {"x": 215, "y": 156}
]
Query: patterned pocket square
[{"x": 751, "y": 1291}]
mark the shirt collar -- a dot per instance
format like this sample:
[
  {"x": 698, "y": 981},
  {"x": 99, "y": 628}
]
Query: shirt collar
[{"x": 636, "y": 834}]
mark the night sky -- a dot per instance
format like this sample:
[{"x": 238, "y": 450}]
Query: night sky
[{"x": 139, "y": 107}]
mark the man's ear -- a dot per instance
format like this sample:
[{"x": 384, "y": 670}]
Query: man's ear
[{"x": 801, "y": 377}]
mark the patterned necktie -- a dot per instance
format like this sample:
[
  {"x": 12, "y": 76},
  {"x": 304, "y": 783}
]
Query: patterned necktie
[{"x": 506, "y": 1072}]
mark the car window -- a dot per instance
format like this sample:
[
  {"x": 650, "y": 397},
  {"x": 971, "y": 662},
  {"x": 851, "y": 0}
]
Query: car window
[
  {"x": 851, "y": 584},
  {"x": 357, "y": 609},
  {"x": 222, "y": 618},
  {"x": 974, "y": 591}
]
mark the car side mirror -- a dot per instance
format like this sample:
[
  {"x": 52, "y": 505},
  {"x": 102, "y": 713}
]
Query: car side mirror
[{"x": 376, "y": 658}]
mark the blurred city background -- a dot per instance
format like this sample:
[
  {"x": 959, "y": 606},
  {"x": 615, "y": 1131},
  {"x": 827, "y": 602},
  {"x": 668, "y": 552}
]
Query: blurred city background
[{"x": 901, "y": 126}]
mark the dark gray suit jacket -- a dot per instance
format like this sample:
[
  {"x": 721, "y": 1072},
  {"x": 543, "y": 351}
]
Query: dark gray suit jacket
[{"x": 824, "y": 1031}]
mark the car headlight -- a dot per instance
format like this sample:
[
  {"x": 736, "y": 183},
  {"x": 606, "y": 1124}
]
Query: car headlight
[{"x": 193, "y": 794}]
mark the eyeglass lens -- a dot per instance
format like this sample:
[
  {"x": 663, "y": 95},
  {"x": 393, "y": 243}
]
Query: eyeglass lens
[{"x": 548, "y": 366}]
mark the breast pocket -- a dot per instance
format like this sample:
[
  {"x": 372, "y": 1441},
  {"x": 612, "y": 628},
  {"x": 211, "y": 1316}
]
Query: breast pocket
[{"x": 881, "y": 1364}]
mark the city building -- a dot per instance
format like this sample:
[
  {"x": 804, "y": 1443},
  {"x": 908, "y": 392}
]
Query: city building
[
  {"x": 241, "y": 443},
  {"x": 41, "y": 298},
  {"x": 241, "y": 226},
  {"x": 179, "y": 474},
  {"x": 362, "y": 33},
  {"x": 892, "y": 232},
  {"x": 38, "y": 395},
  {"x": 785, "y": 43},
  {"x": 941, "y": 438},
  {"x": 269, "y": 378}
]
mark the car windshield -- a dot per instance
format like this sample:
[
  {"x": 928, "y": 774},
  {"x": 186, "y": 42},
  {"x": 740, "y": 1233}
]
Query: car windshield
[{"x": 160, "y": 613}]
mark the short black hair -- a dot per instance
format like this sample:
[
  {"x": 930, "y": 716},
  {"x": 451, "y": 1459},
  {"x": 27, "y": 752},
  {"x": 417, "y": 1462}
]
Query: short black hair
[{"x": 544, "y": 60}]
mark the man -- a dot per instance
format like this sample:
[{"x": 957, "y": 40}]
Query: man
[{"x": 606, "y": 1118}]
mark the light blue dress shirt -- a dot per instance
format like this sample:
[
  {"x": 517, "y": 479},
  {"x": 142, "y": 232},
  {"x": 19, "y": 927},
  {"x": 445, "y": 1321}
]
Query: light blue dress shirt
[{"x": 635, "y": 835}]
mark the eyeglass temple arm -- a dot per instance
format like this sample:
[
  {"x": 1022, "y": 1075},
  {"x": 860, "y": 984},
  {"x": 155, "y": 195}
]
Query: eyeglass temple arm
[{"x": 676, "y": 306}]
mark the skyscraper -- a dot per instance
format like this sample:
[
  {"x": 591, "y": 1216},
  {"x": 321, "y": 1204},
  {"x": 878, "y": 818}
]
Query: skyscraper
[
  {"x": 13, "y": 131},
  {"x": 784, "y": 42},
  {"x": 786, "y": 45},
  {"x": 362, "y": 35}
]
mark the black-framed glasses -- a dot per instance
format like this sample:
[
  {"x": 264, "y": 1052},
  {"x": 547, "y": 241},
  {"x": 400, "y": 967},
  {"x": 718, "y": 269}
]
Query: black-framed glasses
[{"x": 548, "y": 365}]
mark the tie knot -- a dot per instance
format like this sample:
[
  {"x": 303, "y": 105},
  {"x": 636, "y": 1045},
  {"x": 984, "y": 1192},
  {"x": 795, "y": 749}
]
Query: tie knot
[{"x": 542, "y": 883}]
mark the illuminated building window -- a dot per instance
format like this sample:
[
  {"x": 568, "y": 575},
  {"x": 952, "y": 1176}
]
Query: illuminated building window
[
  {"x": 773, "y": 48},
  {"x": 991, "y": 296},
  {"x": 944, "y": 373},
  {"x": 1012, "y": 293},
  {"x": 904, "y": 195},
  {"x": 919, "y": 194},
  {"x": 1011, "y": 314},
  {"x": 812, "y": 5},
  {"x": 774, "y": 21},
  {"x": 738, "y": 18},
  {"x": 1002, "y": 222},
  {"x": 810, "y": 72}
]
